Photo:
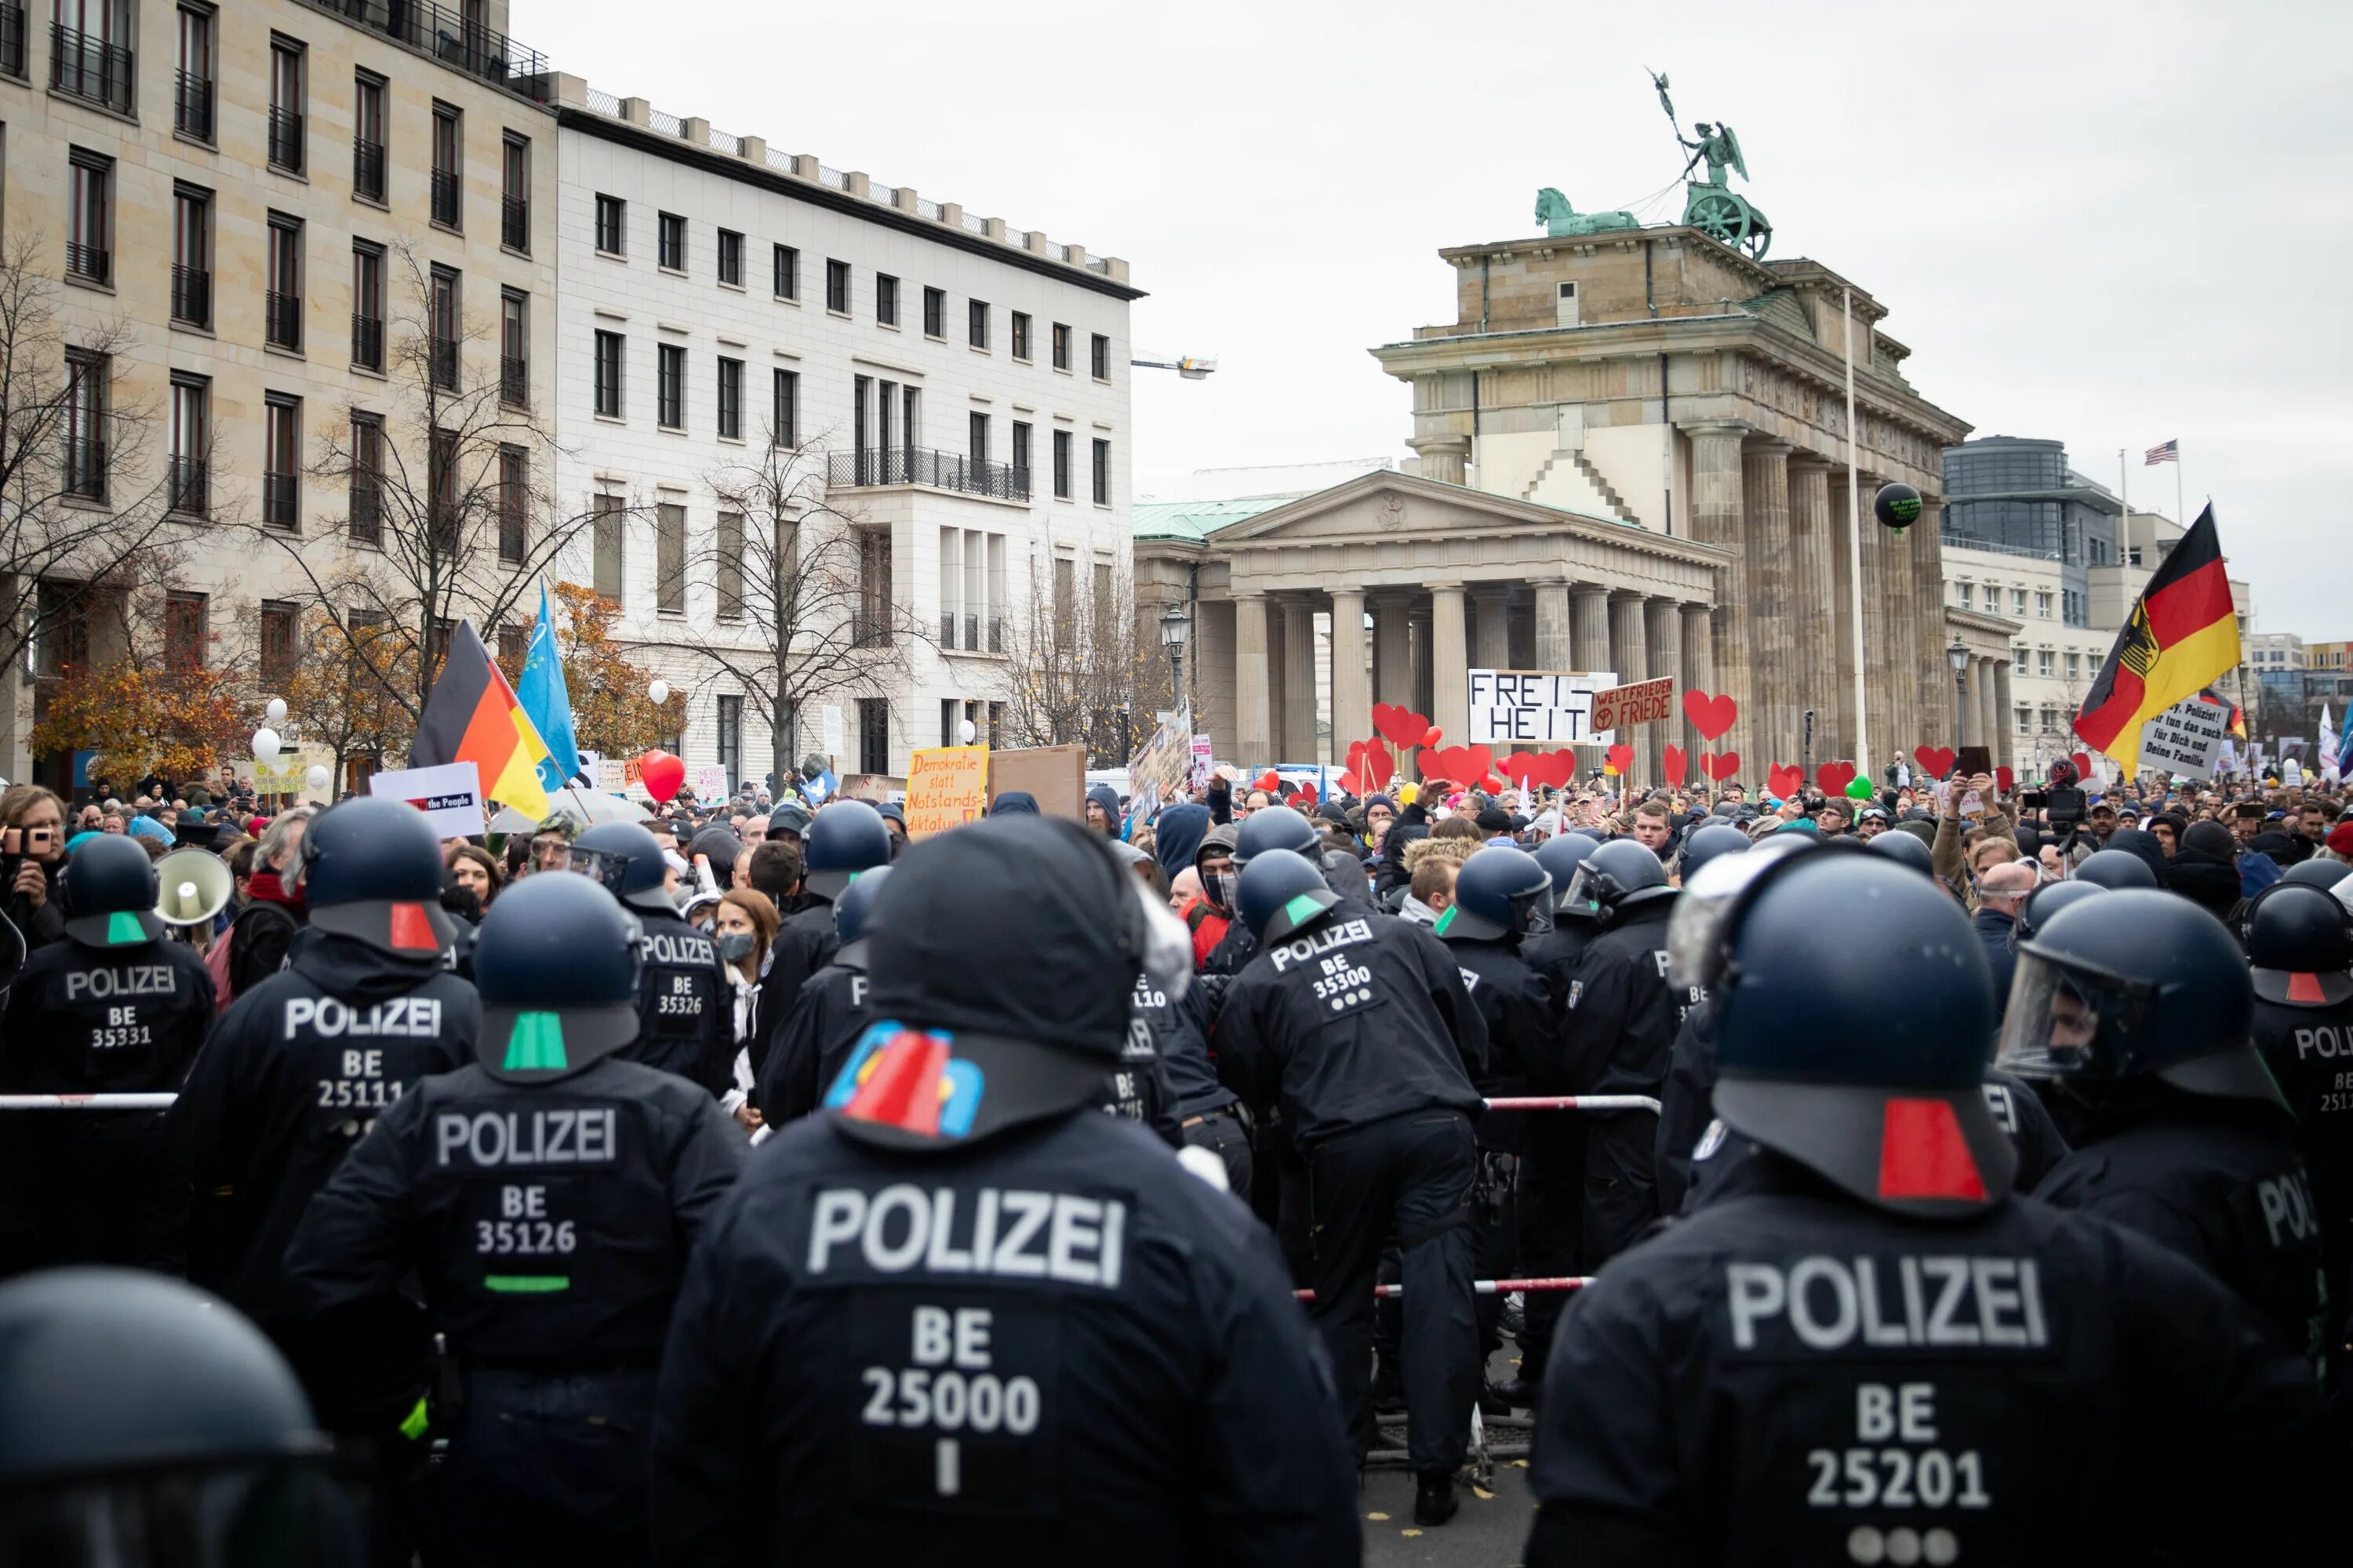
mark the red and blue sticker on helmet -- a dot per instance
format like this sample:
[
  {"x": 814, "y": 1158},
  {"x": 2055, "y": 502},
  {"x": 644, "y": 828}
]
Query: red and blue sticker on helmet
[{"x": 910, "y": 1079}]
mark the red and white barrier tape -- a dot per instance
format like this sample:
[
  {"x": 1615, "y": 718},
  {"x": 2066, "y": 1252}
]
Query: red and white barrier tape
[
  {"x": 1485, "y": 1286},
  {"x": 1575, "y": 1102},
  {"x": 86, "y": 1102}
]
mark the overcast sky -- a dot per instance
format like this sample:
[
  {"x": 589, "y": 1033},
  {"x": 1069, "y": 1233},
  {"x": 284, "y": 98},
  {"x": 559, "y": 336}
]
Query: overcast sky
[{"x": 2112, "y": 225}]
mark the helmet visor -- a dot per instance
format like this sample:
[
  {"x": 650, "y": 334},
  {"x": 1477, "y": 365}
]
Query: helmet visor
[
  {"x": 1581, "y": 900},
  {"x": 1533, "y": 911},
  {"x": 295, "y": 1512},
  {"x": 2071, "y": 1021},
  {"x": 608, "y": 869},
  {"x": 1167, "y": 944},
  {"x": 1695, "y": 932}
]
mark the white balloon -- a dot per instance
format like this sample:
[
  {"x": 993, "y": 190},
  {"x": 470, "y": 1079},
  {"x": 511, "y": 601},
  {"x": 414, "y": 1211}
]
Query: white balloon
[
  {"x": 659, "y": 692},
  {"x": 316, "y": 778},
  {"x": 965, "y": 731},
  {"x": 277, "y": 710},
  {"x": 265, "y": 745}
]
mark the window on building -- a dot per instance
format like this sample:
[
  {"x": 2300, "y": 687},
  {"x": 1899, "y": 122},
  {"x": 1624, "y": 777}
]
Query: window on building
[
  {"x": 192, "y": 256},
  {"x": 979, "y": 434},
  {"x": 183, "y": 630},
  {"x": 669, "y": 388},
  {"x": 936, "y": 312},
  {"x": 1103, "y": 473},
  {"x": 1020, "y": 461},
  {"x": 442, "y": 510},
  {"x": 731, "y": 257},
  {"x": 286, "y": 140},
  {"x": 730, "y": 737},
  {"x": 447, "y": 316},
  {"x": 873, "y": 629},
  {"x": 785, "y": 416},
  {"x": 1066, "y": 591},
  {"x": 874, "y": 735},
  {"x": 1098, "y": 357},
  {"x": 2050, "y": 721},
  {"x": 283, "y": 324},
  {"x": 727, "y": 548},
  {"x": 514, "y": 349},
  {"x": 1062, "y": 465},
  {"x": 187, "y": 476},
  {"x": 669, "y": 558},
  {"x": 1961, "y": 595},
  {"x": 731, "y": 399},
  {"x": 87, "y": 377},
  {"x": 2018, "y": 601},
  {"x": 976, "y": 324},
  {"x": 371, "y": 119},
  {"x": 886, "y": 299},
  {"x": 2045, "y": 661},
  {"x": 365, "y": 522},
  {"x": 367, "y": 305},
  {"x": 837, "y": 287},
  {"x": 514, "y": 504},
  {"x": 606, "y": 535},
  {"x": 279, "y": 619},
  {"x": 514, "y": 191},
  {"x": 515, "y": 646},
  {"x": 788, "y": 264},
  {"x": 448, "y": 165},
  {"x": 2043, "y": 605},
  {"x": 1062, "y": 346},
  {"x": 192, "y": 79},
  {"x": 669, "y": 242},
  {"x": 2074, "y": 666},
  {"x": 951, "y": 585},
  {"x": 2025, "y": 717},
  {"x": 612, "y": 224},
  {"x": 611, "y": 348},
  {"x": 1021, "y": 327},
  {"x": 281, "y": 462},
  {"x": 90, "y": 218}
]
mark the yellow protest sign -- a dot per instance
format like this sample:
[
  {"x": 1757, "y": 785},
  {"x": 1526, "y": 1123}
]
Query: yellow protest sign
[{"x": 947, "y": 787}]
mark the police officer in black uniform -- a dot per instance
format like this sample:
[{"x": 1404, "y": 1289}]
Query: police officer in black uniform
[
  {"x": 1209, "y": 1116},
  {"x": 2134, "y": 1010},
  {"x": 1139, "y": 1087},
  {"x": 1552, "y": 954},
  {"x": 2299, "y": 945},
  {"x": 1273, "y": 828},
  {"x": 684, "y": 1025},
  {"x": 847, "y": 839},
  {"x": 1686, "y": 1103},
  {"x": 1359, "y": 1027},
  {"x": 816, "y": 1036},
  {"x": 1861, "y": 1347},
  {"x": 960, "y": 1314},
  {"x": 116, "y": 1008},
  {"x": 547, "y": 1195}
]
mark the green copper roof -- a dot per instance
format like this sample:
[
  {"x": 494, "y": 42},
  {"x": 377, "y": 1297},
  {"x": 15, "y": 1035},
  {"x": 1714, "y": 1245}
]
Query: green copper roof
[{"x": 1194, "y": 521}]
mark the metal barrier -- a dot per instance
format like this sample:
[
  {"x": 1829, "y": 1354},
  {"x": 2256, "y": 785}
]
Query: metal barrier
[
  {"x": 1485, "y": 1286},
  {"x": 1575, "y": 1102},
  {"x": 88, "y": 1102}
]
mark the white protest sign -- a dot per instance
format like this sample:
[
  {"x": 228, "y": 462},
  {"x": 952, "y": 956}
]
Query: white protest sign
[
  {"x": 830, "y": 730},
  {"x": 2186, "y": 739},
  {"x": 1536, "y": 707},
  {"x": 711, "y": 782},
  {"x": 449, "y": 793},
  {"x": 1201, "y": 764}
]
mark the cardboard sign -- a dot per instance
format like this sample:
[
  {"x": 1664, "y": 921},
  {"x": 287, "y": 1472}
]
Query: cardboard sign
[
  {"x": 1640, "y": 703},
  {"x": 711, "y": 782},
  {"x": 877, "y": 788},
  {"x": 1199, "y": 780},
  {"x": 1055, "y": 775},
  {"x": 449, "y": 793},
  {"x": 1536, "y": 707},
  {"x": 2185, "y": 739},
  {"x": 1158, "y": 771},
  {"x": 947, "y": 788},
  {"x": 830, "y": 730}
]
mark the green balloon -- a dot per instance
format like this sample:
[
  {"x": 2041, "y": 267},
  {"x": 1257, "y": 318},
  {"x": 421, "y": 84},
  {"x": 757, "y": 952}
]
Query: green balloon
[{"x": 1859, "y": 788}]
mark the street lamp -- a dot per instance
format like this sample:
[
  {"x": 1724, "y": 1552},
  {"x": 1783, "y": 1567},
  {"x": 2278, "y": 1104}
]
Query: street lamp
[
  {"x": 1958, "y": 655},
  {"x": 1174, "y": 624}
]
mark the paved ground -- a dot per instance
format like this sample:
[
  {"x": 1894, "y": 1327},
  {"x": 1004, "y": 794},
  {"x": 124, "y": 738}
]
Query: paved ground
[{"x": 1488, "y": 1531}]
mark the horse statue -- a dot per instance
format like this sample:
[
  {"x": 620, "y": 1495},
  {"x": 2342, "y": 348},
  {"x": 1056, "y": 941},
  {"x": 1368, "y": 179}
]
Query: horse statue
[{"x": 1562, "y": 220}]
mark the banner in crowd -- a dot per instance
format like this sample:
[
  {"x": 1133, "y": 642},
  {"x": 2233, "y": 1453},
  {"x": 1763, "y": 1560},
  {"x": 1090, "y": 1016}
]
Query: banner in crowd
[
  {"x": 947, "y": 786},
  {"x": 1158, "y": 770},
  {"x": 1536, "y": 707},
  {"x": 711, "y": 782},
  {"x": 283, "y": 775},
  {"x": 450, "y": 795},
  {"x": 1641, "y": 703},
  {"x": 2186, "y": 739},
  {"x": 472, "y": 715},
  {"x": 2183, "y": 632},
  {"x": 1202, "y": 765},
  {"x": 1054, "y": 776}
]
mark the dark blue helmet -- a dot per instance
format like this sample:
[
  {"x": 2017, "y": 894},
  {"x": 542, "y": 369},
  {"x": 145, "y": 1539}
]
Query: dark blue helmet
[
  {"x": 1501, "y": 891},
  {"x": 2045, "y": 902},
  {"x": 372, "y": 869},
  {"x": 2300, "y": 944},
  {"x": 1281, "y": 890},
  {"x": 2135, "y": 982},
  {"x": 110, "y": 892},
  {"x": 2323, "y": 874},
  {"x": 2116, "y": 869},
  {"x": 848, "y": 837},
  {"x": 1617, "y": 876},
  {"x": 853, "y": 911},
  {"x": 1274, "y": 828},
  {"x": 1862, "y": 1061},
  {"x": 556, "y": 962},
  {"x": 1705, "y": 844},
  {"x": 1904, "y": 849},
  {"x": 1560, "y": 855},
  {"x": 625, "y": 859}
]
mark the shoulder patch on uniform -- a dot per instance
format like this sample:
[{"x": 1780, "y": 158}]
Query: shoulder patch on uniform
[
  {"x": 1575, "y": 992},
  {"x": 1710, "y": 1141}
]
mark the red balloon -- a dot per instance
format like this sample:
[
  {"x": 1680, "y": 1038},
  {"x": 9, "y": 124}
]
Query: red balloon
[{"x": 663, "y": 775}]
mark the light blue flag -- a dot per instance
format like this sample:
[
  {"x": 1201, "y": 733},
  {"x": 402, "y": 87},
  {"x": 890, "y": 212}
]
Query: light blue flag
[{"x": 545, "y": 702}]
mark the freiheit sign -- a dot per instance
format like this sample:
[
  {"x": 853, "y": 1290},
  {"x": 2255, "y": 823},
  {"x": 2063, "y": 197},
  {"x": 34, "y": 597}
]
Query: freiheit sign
[{"x": 1536, "y": 707}]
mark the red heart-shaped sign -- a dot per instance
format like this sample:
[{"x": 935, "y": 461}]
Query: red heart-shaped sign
[
  {"x": 1451, "y": 763},
  {"x": 1268, "y": 780},
  {"x": 1834, "y": 776},
  {"x": 1719, "y": 764},
  {"x": 2004, "y": 779},
  {"x": 1558, "y": 768},
  {"x": 1620, "y": 759},
  {"x": 2083, "y": 762},
  {"x": 1784, "y": 779},
  {"x": 1379, "y": 766},
  {"x": 1400, "y": 725},
  {"x": 1492, "y": 785},
  {"x": 1348, "y": 783},
  {"x": 1307, "y": 793},
  {"x": 1710, "y": 715},
  {"x": 1936, "y": 761},
  {"x": 1673, "y": 765},
  {"x": 1520, "y": 767},
  {"x": 662, "y": 774},
  {"x": 1432, "y": 735}
]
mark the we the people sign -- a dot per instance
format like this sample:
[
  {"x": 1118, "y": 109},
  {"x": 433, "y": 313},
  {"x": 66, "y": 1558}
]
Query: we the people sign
[{"x": 1536, "y": 707}]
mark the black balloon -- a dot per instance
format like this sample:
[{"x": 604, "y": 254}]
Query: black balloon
[{"x": 1896, "y": 506}]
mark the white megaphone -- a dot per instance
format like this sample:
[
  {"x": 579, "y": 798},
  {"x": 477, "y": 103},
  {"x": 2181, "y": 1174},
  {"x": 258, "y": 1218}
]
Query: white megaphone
[{"x": 196, "y": 885}]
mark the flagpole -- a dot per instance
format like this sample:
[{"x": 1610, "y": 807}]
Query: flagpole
[
  {"x": 1855, "y": 545},
  {"x": 2180, "y": 511}
]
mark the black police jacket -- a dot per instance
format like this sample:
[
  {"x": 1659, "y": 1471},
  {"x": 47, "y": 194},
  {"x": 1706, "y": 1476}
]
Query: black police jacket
[
  {"x": 550, "y": 1223},
  {"x": 1138, "y": 1088},
  {"x": 1050, "y": 1347},
  {"x": 807, "y": 1050},
  {"x": 293, "y": 1075},
  {"x": 1511, "y": 1004},
  {"x": 685, "y": 1022},
  {"x": 805, "y": 944},
  {"x": 1553, "y": 956},
  {"x": 1356, "y": 1018},
  {"x": 1183, "y": 1047},
  {"x": 2218, "y": 1181},
  {"x": 1792, "y": 1376},
  {"x": 1621, "y": 1014},
  {"x": 2310, "y": 1051}
]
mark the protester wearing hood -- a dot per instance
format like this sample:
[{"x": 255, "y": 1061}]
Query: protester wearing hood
[
  {"x": 1211, "y": 915},
  {"x": 1177, "y": 836},
  {"x": 1103, "y": 814},
  {"x": 1015, "y": 803},
  {"x": 2143, "y": 846},
  {"x": 2205, "y": 869}
]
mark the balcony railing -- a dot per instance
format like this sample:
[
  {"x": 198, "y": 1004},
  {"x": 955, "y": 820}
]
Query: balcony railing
[
  {"x": 367, "y": 342},
  {"x": 192, "y": 296},
  {"x": 514, "y": 381},
  {"x": 90, "y": 262},
  {"x": 444, "y": 197},
  {"x": 12, "y": 40},
  {"x": 445, "y": 364},
  {"x": 85, "y": 473},
  {"x": 441, "y": 31},
  {"x": 514, "y": 224},
  {"x": 189, "y": 484},
  {"x": 367, "y": 168},
  {"x": 280, "y": 502},
  {"x": 89, "y": 68},
  {"x": 192, "y": 106},
  {"x": 284, "y": 323},
  {"x": 870, "y": 466}
]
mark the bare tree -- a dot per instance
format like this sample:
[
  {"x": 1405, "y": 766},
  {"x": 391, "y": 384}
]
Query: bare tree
[
  {"x": 449, "y": 510},
  {"x": 1082, "y": 670}
]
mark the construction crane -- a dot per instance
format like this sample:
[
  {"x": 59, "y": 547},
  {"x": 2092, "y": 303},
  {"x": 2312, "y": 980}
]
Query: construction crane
[{"x": 1191, "y": 366}]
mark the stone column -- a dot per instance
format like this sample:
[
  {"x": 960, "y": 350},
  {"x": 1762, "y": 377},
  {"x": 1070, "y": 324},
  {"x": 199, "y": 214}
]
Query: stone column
[
  {"x": 1253, "y": 690},
  {"x": 1715, "y": 519},
  {"x": 1814, "y": 587},
  {"x": 1993, "y": 728},
  {"x": 1209, "y": 671},
  {"x": 1298, "y": 681},
  {"x": 1555, "y": 647},
  {"x": 1418, "y": 618},
  {"x": 1773, "y": 610},
  {"x": 2005, "y": 746},
  {"x": 1697, "y": 674},
  {"x": 1492, "y": 630},
  {"x": 1591, "y": 624},
  {"x": 1630, "y": 656},
  {"x": 1394, "y": 663},
  {"x": 1928, "y": 581},
  {"x": 1352, "y": 672},
  {"x": 1442, "y": 457},
  {"x": 1842, "y": 637},
  {"x": 1663, "y": 621},
  {"x": 1450, "y": 666}
]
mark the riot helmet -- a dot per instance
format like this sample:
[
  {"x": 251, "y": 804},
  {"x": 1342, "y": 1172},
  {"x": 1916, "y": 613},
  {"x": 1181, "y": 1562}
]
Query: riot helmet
[
  {"x": 1500, "y": 891},
  {"x": 1617, "y": 877},
  {"x": 1560, "y": 855},
  {"x": 847, "y": 839},
  {"x": 2321, "y": 874},
  {"x": 853, "y": 911},
  {"x": 371, "y": 870},
  {"x": 1280, "y": 892},
  {"x": 2299, "y": 946},
  {"x": 626, "y": 861},
  {"x": 111, "y": 891},
  {"x": 2118, "y": 870},
  {"x": 557, "y": 965},
  {"x": 1706, "y": 842},
  {"x": 2045, "y": 902},
  {"x": 1275, "y": 828},
  {"x": 1708, "y": 897},
  {"x": 1904, "y": 849}
]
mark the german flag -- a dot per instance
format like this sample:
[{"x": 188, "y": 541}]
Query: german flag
[
  {"x": 2182, "y": 634},
  {"x": 472, "y": 717},
  {"x": 2238, "y": 726}
]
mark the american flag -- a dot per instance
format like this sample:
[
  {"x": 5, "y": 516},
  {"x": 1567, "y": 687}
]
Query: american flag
[{"x": 2170, "y": 452}]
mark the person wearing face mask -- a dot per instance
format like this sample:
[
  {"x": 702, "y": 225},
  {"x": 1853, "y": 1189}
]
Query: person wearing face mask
[{"x": 741, "y": 930}]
